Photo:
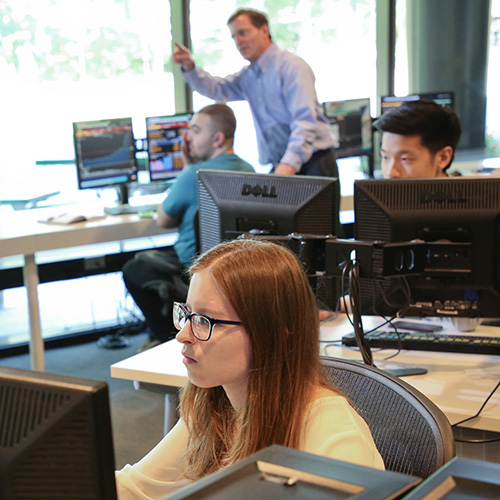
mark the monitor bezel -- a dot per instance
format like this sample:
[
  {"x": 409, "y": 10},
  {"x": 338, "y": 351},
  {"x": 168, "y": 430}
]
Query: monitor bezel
[
  {"x": 431, "y": 96},
  {"x": 356, "y": 149},
  {"x": 62, "y": 418},
  {"x": 120, "y": 179},
  {"x": 460, "y": 220},
  {"x": 154, "y": 177},
  {"x": 256, "y": 196}
]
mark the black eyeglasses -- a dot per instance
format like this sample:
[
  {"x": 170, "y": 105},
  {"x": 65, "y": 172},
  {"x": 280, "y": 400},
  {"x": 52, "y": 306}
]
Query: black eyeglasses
[{"x": 202, "y": 325}]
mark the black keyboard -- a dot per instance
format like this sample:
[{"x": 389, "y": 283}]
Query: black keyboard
[{"x": 428, "y": 341}]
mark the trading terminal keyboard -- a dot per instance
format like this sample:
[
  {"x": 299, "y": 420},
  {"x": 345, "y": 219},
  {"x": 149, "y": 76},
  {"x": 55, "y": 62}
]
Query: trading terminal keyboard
[
  {"x": 130, "y": 209},
  {"x": 428, "y": 341}
]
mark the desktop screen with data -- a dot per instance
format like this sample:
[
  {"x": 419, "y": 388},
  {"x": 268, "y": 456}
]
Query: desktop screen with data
[
  {"x": 351, "y": 126},
  {"x": 391, "y": 101},
  {"x": 164, "y": 136},
  {"x": 105, "y": 152}
]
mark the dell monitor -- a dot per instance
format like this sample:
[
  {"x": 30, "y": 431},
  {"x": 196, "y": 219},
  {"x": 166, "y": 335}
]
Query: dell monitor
[
  {"x": 287, "y": 473},
  {"x": 459, "y": 221},
  {"x": 351, "y": 126},
  {"x": 105, "y": 154},
  {"x": 55, "y": 437},
  {"x": 441, "y": 98},
  {"x": 233, "y": 203},
  {"x": 164, "y": 136},
  {"x": 272, "y": 206}
]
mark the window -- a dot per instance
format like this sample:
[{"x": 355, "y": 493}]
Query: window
[
  {"x": 493, "y": 96},
  {"x": 72, "y": 61},
  {"x": 402, "y": 83},
  {"x": 64, "y": 61}
]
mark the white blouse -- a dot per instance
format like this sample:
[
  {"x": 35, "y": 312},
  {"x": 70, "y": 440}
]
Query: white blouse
[{"x": 332, "y": 428}]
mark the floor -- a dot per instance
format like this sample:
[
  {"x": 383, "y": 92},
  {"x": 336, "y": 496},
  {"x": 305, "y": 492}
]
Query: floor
[{"x": 67, "y": 307}]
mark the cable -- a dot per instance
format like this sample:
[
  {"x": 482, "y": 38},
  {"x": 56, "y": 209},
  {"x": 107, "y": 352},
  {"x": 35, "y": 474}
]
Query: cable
[
  {"x": 480, "y": 409},
  {"x": 478, "y": 441},
  {"x": 357, "y": 322},
  {"x": 403, "y": 286},
  {"x": 396, "y": 331},
  {"x": 351, "y": 269}
]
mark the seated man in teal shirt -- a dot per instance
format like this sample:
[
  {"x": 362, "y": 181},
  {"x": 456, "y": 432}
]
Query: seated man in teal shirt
[{"x": 154, "y": 278}]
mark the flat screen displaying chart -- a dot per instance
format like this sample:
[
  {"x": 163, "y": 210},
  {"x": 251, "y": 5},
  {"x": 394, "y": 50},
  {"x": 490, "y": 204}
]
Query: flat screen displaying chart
[
  {"x": 104, "y": 152},
  {"x": 351, "y": 126},
  {"x": 164, "y": 136},
  {"x": 441, "y": 98}
]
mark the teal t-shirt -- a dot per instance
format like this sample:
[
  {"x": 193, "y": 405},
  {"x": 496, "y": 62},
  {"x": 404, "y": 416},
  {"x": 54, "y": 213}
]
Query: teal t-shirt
[{"x": 182, "y": 200}]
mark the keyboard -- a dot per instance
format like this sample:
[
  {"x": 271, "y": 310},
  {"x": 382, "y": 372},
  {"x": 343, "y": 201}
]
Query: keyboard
[
  {"x": 130, "y": 209},
  {"x": 428, "y": 341}
]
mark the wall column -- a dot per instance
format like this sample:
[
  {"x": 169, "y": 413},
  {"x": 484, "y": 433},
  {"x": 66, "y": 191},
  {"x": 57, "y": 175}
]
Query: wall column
[
  {"x": 179, "y": 20},
  {"x": 448, "y": 51}
]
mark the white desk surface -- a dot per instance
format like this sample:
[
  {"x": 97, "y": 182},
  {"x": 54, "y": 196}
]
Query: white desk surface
[
  {"x": 21, "y": 233},
  {"x": 159, "y": 365},
  {"x": 457, "y": 383}
]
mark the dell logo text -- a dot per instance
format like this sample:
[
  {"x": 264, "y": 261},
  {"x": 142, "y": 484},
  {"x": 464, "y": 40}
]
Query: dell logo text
[
  {"x": 264, "y": 191},
  {"x": 442, "y": 196}
]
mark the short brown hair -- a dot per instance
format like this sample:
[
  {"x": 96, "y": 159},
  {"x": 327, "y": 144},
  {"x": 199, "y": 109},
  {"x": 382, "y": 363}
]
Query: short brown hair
[
  {"x": 222, "y": 118},
  {"x": 257, "y": 18}
]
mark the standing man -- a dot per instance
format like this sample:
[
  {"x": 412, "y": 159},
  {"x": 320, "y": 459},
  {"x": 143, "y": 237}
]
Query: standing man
[
  {"x": 155, "y": 278},
  {"x": 292, "y": 131},
  {"x": 419, "y": 139}
]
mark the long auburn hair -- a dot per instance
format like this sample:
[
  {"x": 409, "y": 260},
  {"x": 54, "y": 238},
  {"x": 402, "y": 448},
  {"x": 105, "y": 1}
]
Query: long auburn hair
[{"x": 265, "y": 284}]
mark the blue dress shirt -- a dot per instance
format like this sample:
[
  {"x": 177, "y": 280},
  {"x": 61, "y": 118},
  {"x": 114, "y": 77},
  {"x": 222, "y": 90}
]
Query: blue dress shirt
[{"x": 279, "y": 88}]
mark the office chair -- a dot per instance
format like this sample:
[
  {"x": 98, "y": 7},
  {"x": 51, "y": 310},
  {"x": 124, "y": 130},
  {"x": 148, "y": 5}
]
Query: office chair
[{"x": 411, "y": 433}]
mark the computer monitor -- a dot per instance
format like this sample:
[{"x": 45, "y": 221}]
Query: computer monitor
[
  {"x": 459, "y": 218},
  {"x": 287, "y": 473},
  {"x": 442, "y": 98},
  {"x": 273, "y": 207},
  {"x": 105, "y": 154},
  {"x": 233, "y": 203},
  {"x": 55, "y": 437},
  {"x": 351, "y": 126},
  {"x": 460, "y": 478},
  {"x": 164, "y": 136}
]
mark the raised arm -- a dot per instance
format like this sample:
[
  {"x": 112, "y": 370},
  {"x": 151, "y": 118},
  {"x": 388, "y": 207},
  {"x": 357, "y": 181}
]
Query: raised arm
[
  {"x": 214, "y": 87},
  {"x": 182, "y": 55}
]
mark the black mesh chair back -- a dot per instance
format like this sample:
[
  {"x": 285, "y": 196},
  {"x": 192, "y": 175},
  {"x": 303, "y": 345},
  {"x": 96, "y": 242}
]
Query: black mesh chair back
[{"x": 411, "y": 433}]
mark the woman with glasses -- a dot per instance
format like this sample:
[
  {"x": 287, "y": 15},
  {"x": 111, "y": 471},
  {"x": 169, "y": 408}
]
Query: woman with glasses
[{"x": 250, "y": 335}]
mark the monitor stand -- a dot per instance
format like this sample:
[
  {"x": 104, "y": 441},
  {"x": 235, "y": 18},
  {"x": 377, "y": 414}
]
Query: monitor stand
[
  {"x": 366, "y": 353},
  {"x": 123, "y": 194},
  {"x": 406, "y": 372},
  {"x": 122, "y": 206}
]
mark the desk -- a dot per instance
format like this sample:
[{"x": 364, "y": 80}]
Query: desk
[
  {"x": 22, "y": 234},
  {"x": 450, "y": 382},
  {"x": 457, "y": 383},
  {"x": 23, "y": 199}
]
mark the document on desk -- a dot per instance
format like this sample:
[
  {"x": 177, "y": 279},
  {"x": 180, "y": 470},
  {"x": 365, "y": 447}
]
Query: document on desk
[{"x": 65, "y": 219}]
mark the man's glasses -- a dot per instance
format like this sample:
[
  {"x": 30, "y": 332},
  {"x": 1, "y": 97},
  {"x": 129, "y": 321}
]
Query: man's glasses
[{"x": 202, "y": 325}]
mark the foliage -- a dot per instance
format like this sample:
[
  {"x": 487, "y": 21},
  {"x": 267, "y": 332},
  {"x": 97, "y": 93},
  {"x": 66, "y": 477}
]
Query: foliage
[{"x": 48, "y": 50}]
